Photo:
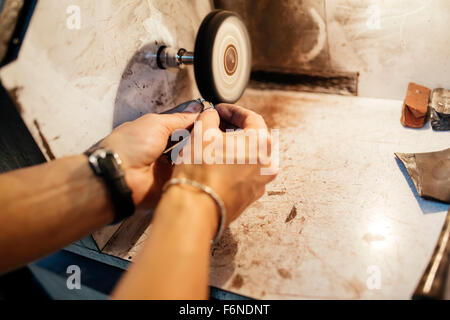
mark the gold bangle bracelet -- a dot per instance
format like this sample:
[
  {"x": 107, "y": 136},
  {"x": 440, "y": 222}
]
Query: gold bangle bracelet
[{"x": 209, "y": 191}]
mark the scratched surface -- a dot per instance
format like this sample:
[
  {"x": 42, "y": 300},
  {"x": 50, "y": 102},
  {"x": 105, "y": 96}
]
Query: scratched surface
[{"x": 286, "y": 35}]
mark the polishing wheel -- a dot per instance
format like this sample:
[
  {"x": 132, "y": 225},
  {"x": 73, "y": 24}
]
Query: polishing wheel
[{"x": 221, "y": 58}]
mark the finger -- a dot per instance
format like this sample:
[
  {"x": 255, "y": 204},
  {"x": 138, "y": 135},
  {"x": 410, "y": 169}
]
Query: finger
[
  {"x": 241, "y": 117},
  {"x": 210, "y": 119},
  {"x": 172, "y": 122}
]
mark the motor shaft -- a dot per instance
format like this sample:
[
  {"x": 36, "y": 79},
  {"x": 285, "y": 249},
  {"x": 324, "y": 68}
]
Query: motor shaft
[{"x": 172, "y": 58}]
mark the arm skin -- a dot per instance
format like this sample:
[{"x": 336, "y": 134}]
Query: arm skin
[
  {"x": 47, "y": 207},
  {"x": 174, "y": 263}
]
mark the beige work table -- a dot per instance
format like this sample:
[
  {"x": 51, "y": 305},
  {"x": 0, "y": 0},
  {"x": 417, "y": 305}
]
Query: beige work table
[
  {"x": 358, "y": 229},
  {"x": 341, "y": 220}
]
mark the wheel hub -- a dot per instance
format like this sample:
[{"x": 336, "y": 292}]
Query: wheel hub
[{"x": 230, "y": 60}]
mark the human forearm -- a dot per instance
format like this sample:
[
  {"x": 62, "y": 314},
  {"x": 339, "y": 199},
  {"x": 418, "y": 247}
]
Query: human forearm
[
  {"x": 47, "y": 207},
  {"x": 174, "y": 263}
]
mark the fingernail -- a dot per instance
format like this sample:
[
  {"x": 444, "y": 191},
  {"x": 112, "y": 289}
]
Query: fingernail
[{"x": 194, "y": 107}]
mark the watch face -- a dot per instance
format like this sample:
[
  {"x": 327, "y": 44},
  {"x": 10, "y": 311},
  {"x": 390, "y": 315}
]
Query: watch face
[
  {"x": 101, "y": 159},
  {"x": 110, "y": 165},
  {"x": 118, "y": 160}
]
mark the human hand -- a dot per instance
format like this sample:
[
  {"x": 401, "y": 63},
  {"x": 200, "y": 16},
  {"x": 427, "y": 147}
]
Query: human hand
[
  {"x": 238, "y": 185},
  {"x": 140, "y": 144}
]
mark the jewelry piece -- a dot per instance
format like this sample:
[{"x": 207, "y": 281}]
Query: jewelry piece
[
  {"x": 203, "y": 101},
  {"x": 209, "y": 191}
]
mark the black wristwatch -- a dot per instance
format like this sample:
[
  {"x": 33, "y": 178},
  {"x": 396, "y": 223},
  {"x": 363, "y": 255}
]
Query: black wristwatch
[{"x": 107, "y": 165}]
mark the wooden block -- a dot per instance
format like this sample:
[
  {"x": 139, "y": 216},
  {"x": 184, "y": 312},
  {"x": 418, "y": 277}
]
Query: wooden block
[{"x": 415, "y": 107}]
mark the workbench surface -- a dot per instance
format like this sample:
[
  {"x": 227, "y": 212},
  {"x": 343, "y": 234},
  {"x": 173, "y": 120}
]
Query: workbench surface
[{"x": 341, "y": 220}]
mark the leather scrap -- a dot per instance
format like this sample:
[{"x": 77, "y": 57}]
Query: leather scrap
[
  {"x": 415, "y": 106},
  {"x": 430, "y": 173},
  {"x": 440, "y": 109}
]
